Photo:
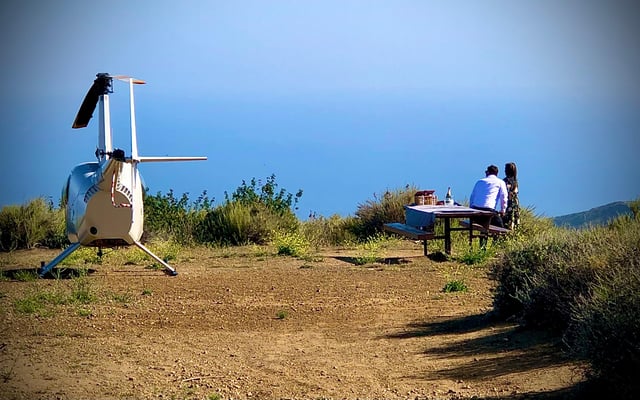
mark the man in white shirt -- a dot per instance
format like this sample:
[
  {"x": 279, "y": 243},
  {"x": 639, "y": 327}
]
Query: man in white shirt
[{"x": 488, "y": 193}]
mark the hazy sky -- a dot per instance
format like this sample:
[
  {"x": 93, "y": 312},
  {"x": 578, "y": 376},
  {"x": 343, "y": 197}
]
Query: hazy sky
[{"x": 342, "y": 99}]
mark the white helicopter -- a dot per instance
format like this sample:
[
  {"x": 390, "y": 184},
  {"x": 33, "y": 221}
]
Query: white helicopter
[{"x": 104, "y": 203}]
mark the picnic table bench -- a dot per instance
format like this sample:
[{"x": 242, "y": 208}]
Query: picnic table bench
[
  {"x": 492, "y": 231},
  {"x": 410, "y": 232}
]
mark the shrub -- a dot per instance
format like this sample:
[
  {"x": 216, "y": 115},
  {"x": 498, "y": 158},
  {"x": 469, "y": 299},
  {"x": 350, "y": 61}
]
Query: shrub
[
  {"x": 584, "y": 285},
  {"x": 175, "y": 219},
  {"x": 604, "y": 327},
  {"x": 291, "y": 244},
  {"x": 476, "y": 255},
  {"x": 235, "y": 223},
  {"x": 250, "y": 215},
  {"x": 373, "y": 214},
  {"x": 371, "y": 250},
  {"x": 279, "y": 201},
  {"x": 332, "y": 231},
  {"x": 36, "y": 223},
  {"x": 539, "y": 278}
]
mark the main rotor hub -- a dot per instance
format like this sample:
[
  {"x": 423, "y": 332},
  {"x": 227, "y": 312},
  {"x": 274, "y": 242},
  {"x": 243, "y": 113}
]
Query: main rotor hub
[{"x": 104, "y": 83}]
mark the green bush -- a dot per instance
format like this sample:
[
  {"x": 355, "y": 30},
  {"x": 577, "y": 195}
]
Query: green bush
[
  {"x": 583, "y": 285},
  {"x": 234, "y": 224},
  {"x": 290, "y": 244},
  {"x": 373, "y": 214},
  {"x": 36, "y": 223},
  {"x": 278, "y": 201},
  {"x": 251, "y": 215},
  {"x": 540, "y": 278},
  {"x": 174, "y": 219},
  {"x": 332, "y": 231},
  {"x": 604, "y": 327}
]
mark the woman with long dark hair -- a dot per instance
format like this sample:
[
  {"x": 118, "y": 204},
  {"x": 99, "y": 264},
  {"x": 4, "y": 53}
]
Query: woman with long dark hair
[{"x": 511, "y": 217}]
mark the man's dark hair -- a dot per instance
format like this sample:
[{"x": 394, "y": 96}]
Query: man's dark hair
[{"x": 492, "y": 170}]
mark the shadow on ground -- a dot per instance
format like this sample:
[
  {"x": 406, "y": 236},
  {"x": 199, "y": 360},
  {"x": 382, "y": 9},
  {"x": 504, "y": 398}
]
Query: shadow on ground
[
  {"x": 21, "y": 274},
  {"x": 500, "y": 349},
  {"x": 386, "y": 260}
]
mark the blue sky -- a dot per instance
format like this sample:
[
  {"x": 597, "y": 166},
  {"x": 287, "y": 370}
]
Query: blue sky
[{"x": 341, "y": 99}]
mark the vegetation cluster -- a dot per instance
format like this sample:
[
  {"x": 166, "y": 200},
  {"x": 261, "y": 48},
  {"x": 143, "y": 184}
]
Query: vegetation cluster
[{"x": 583, "y": 285}]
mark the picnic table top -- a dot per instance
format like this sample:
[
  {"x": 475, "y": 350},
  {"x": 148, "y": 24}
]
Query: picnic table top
[{"x": 449, "y": 211}]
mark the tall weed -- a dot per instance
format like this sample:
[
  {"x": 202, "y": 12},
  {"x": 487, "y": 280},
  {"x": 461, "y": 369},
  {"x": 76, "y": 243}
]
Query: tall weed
[
  {"x": 332, "y": 231},
  {"x": 36, "y": 223},
  {"x": 388, "y": 207}
]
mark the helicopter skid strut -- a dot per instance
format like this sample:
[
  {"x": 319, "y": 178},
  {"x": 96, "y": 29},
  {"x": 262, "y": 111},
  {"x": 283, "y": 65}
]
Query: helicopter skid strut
[
  {"x": 66, "y": 253},
  {"x": 169, "y": 270}
]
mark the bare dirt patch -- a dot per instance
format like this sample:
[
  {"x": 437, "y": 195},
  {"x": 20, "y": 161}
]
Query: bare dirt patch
[{"x": 244, "y": 324}]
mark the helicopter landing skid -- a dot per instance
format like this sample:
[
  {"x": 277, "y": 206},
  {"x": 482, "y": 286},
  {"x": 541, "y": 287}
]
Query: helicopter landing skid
[
  {"x": 168, "y": 269},
  {"x": 66, "y": 253}
]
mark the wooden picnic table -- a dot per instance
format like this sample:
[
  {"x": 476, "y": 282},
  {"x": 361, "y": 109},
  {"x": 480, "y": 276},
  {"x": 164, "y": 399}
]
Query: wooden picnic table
[{"x": 423, "y": 217}]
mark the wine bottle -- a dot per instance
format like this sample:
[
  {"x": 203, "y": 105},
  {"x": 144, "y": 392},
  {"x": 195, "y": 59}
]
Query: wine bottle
[{"x": 448, "y": 199}]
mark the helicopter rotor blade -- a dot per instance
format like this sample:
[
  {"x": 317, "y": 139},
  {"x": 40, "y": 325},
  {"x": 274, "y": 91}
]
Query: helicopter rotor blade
[
  {"x": 125, "y": 78},
  {"x": 101, "y": 85}
]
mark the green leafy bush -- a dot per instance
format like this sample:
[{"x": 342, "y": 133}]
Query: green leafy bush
[
  {"x": 251, "y": 215},
  {"x": 371, "y": 250},
  {"x": 278, "y": 201},
  {"x": 174, "y": 219}
]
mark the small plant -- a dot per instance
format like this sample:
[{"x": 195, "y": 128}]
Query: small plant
[
  {"x": 290, "y": 244},
  {"x": 282, "y": 314},
  {"x": 475, "y": 256},
  {"x": 146, "y": 292},
  {"x": 82, "y": 292},
  {"x": 37, "y": 302},
  {"x": 84, "y": 312},
  {"x": 371, "y": 250},
  {"x": 455, "y": 286},
  {"x": 365, "y": 259},
  {"x": 123, "y": 298},
  {"x": 214, "y": 396},
  {"x": 29, "y": 305},
  {"x": 26, "y": 275},
  {"x": 456, "y": 279}
]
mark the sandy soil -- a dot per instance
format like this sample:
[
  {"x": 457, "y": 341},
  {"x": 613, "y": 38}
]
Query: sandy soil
[{"x": 244, "y": 324}]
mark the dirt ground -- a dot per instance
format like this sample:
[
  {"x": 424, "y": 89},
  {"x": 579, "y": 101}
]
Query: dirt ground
[{"x": 245, "y": 324}]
